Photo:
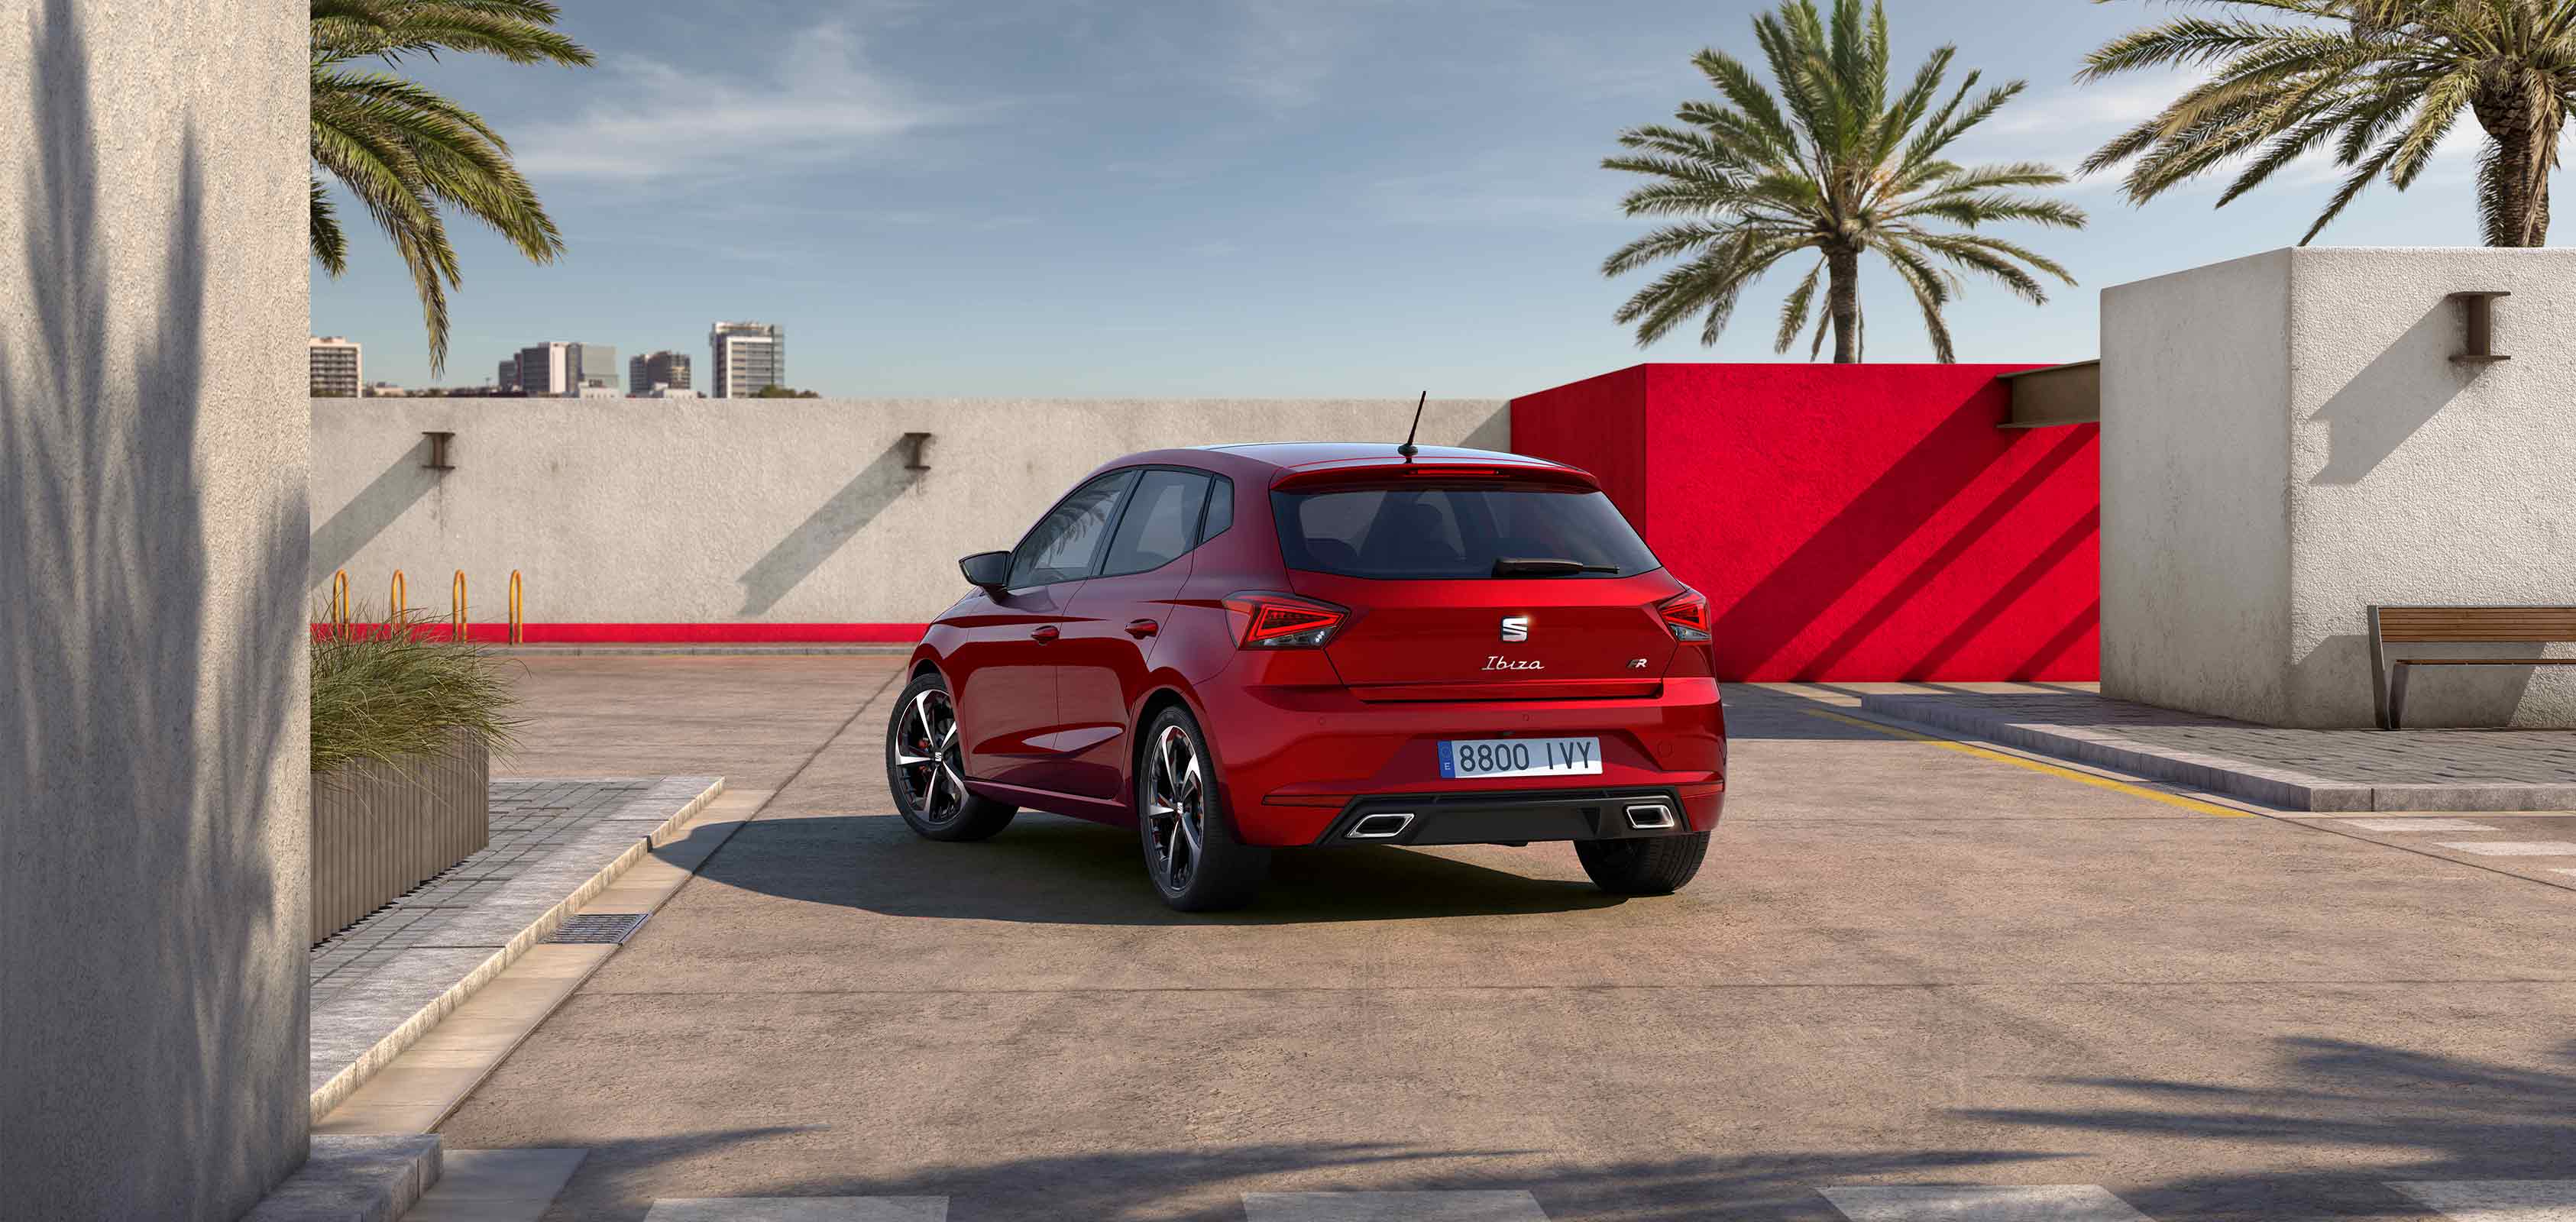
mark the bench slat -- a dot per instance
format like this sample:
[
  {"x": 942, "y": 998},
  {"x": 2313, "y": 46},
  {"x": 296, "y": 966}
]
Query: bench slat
[
  {"x": 2486, "y": 662},
  {"x": 2477, "y": 624}
]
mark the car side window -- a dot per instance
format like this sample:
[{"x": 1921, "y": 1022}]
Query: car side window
[
  {"x": 1160, "y": 519},
  {"x": 1066, "y": 544},
  {"x": 1220, "y": 509}
]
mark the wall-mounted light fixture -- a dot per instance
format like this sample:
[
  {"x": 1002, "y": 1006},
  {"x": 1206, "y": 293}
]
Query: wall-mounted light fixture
[
  {"x": 914, "y": 444},
  {"x": 439, "y": 460},
  {"x": 2478, "y": 310}
]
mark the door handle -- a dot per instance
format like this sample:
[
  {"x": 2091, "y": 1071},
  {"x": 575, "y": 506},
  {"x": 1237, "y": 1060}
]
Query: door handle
[
  {"x": 1045, "y": 633},
  {"x": 1142, "y": 628}
]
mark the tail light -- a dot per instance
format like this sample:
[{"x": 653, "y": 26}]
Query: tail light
[
  {"x": 1285, "y": 621},
  {"x": 1685, "y": 615}
]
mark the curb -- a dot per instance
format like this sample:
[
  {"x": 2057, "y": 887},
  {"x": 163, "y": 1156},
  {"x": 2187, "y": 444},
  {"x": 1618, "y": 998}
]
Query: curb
[
  {"x": 341, "y": 1085},
  {"x": 354, "y": 1179},
  {"x": 2284, "y": 788}
]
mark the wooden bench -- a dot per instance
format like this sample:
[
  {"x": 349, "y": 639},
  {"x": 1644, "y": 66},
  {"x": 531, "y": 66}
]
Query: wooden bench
[{"x": 2454, "y": 625}]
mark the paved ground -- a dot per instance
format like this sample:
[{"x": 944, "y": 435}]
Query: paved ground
[{"x": 1907, "y": 966}]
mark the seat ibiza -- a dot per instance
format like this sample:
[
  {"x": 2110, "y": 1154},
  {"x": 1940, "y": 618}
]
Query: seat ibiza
[{"x": 1257, "y": 647}]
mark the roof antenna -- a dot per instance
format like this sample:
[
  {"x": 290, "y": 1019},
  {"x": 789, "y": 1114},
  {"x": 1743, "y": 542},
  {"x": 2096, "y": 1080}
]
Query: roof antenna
[{"x": 1408, "y": 449}]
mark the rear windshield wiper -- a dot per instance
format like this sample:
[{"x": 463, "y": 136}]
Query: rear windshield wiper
[{"x": 1546, "y": 566}]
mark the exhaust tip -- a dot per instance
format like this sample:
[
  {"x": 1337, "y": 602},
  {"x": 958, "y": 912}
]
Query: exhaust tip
[
  {"x": 1381, "y": 826},
  {"x": 1652, "y": 817}
]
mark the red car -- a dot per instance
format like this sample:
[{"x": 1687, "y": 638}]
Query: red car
[{"x": 1252, "y": 647}]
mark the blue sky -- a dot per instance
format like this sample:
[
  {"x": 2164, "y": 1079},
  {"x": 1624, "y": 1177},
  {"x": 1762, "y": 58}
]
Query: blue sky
[{"x": 1247, "y": 198}]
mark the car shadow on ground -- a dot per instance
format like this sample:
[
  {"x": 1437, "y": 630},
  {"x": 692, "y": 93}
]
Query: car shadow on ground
[
  {"x": 1055, "y": 870},
  {"x": 2337, "y": 1125}
]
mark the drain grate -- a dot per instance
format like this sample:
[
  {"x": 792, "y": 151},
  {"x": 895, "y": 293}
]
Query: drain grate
[{"x": 612, "y": 928}]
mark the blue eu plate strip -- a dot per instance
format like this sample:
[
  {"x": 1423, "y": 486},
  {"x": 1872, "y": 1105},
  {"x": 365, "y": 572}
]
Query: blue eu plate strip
[{"x": 1448, "y": 763}]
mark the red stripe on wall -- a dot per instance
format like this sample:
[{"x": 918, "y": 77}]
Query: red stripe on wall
[{"x": 682, "y": 634}]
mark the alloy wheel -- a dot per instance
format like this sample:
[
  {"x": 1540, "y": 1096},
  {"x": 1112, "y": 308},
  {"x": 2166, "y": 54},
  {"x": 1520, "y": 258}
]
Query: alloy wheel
[
  {"x": 928, "y": 755},
  {"x": 1175, "y": 808}
]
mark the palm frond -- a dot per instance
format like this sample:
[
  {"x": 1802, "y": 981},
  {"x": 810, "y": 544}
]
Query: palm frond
[
  {"x": 1825, "y": 157},
  {"x": 403, "y": 151}
]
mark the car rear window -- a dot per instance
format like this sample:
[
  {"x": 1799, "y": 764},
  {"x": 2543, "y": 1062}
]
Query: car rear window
[{"x": 1452, "y": 532}]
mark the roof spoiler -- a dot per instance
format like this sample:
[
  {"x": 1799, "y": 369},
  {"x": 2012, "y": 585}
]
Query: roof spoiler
[{"x": 1382, "y": 472}]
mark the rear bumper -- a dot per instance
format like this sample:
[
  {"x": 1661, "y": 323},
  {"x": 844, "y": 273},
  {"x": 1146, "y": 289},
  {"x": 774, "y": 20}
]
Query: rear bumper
[
  {"x": 1515, "y": 817},
  {"x": 1295, "y": 759}
]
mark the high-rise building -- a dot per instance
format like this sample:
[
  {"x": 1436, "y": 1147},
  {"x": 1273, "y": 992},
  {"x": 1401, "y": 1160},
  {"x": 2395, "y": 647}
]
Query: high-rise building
[
  {"x": 541, "y": 370},
  {"x": 663, "y": 368},
  {"x": 506, "y": 382},
  {"x": 749, "y": 357},
  {"x": 561, "y": 369},
  {"x": 336, "y": 366},
  {"x": 592, "y": 367}
]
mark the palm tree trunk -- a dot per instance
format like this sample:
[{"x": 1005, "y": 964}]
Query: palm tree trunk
[
  {"x": 1842, "y": 301},
  {"x": 2516, "y": 190}
]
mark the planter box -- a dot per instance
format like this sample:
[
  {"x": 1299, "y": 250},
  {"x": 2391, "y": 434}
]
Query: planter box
[{"x": 381, "y": 829}]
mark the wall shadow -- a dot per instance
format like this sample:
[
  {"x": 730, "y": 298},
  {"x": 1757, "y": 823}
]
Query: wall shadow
[
  {"x": 1493, "y": 433},
  {"x": 826, "y": 530},
  {"x": 1968, "y": 535},
  {"x": 2392, "y": 397},
  {"x": 1802, "y": 588},
  {"x": 2076, "y": 535},
  {"x": 355, "y": 525},
  {"x": 1048, "y": 869},
  {"x": 152, "y": 981}
]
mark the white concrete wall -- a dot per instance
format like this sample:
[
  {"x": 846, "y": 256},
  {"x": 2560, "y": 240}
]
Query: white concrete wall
[
  {"x": 2392, "y": 474},
  {"x": 721, "y": 510},
  {"x": 152, "y": 568},
  {"x": 2195, "y": 517}
]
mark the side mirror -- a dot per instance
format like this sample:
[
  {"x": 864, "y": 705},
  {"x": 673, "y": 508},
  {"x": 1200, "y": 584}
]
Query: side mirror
[{"x": 990, "y": 571}]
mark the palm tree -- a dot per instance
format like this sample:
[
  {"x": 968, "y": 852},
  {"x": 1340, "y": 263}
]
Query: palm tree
[
  {"x": 2383, "y": 80},
  {"x": 1834, "y": 165},
  {"x": 402, "y": 150}
]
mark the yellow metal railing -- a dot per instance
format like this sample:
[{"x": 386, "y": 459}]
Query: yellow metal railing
[
  {"x": 518, "y": 622},
  {"x": 456, "y": 605}
]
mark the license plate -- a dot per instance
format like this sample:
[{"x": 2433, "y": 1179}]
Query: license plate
[{"x": 1474, "y": 757}]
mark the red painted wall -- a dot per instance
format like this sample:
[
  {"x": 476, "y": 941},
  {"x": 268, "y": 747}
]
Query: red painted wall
[{"x": 1850, "y": 521}]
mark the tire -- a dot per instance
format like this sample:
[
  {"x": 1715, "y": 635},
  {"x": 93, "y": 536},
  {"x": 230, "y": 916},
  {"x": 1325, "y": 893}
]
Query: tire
[
  {"x": 1177, "y": 806},
  {"x": 925, "y": 768},
  {"x": 1659, "y": 865}
]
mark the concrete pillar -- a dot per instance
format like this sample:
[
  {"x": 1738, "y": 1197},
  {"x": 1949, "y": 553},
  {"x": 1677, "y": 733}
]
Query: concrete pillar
[
  {"x": 2286, "y": 440},
  {"x": 153, "y": 441}
]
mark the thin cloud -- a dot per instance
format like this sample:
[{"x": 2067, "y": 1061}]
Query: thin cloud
[{"x": 653, "y": 119}]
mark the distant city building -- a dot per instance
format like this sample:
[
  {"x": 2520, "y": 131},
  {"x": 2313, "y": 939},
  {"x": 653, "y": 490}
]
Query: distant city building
[
  {"x": 336, "y": 366},
  {"x": 662, "y": 369},
  {"x": 749, "y": 357},
  {"x": 591, "y": 367},
  {"x": 562, "y": 369},
  {"x": 601, "y": 392},
  {"x": 385, "y": 390},
  {"x": 670, "y": 392},
  {"x": 541, "y": 370},
  {"x": 507, "y": 381}
]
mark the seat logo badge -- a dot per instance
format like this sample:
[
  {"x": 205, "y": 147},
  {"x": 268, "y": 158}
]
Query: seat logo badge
[{"x": 1515, "y": 628}]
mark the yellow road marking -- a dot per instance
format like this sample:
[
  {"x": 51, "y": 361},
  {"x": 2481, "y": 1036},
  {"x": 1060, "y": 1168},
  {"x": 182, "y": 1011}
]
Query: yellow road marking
[{"x": 2099, "y": 782}]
